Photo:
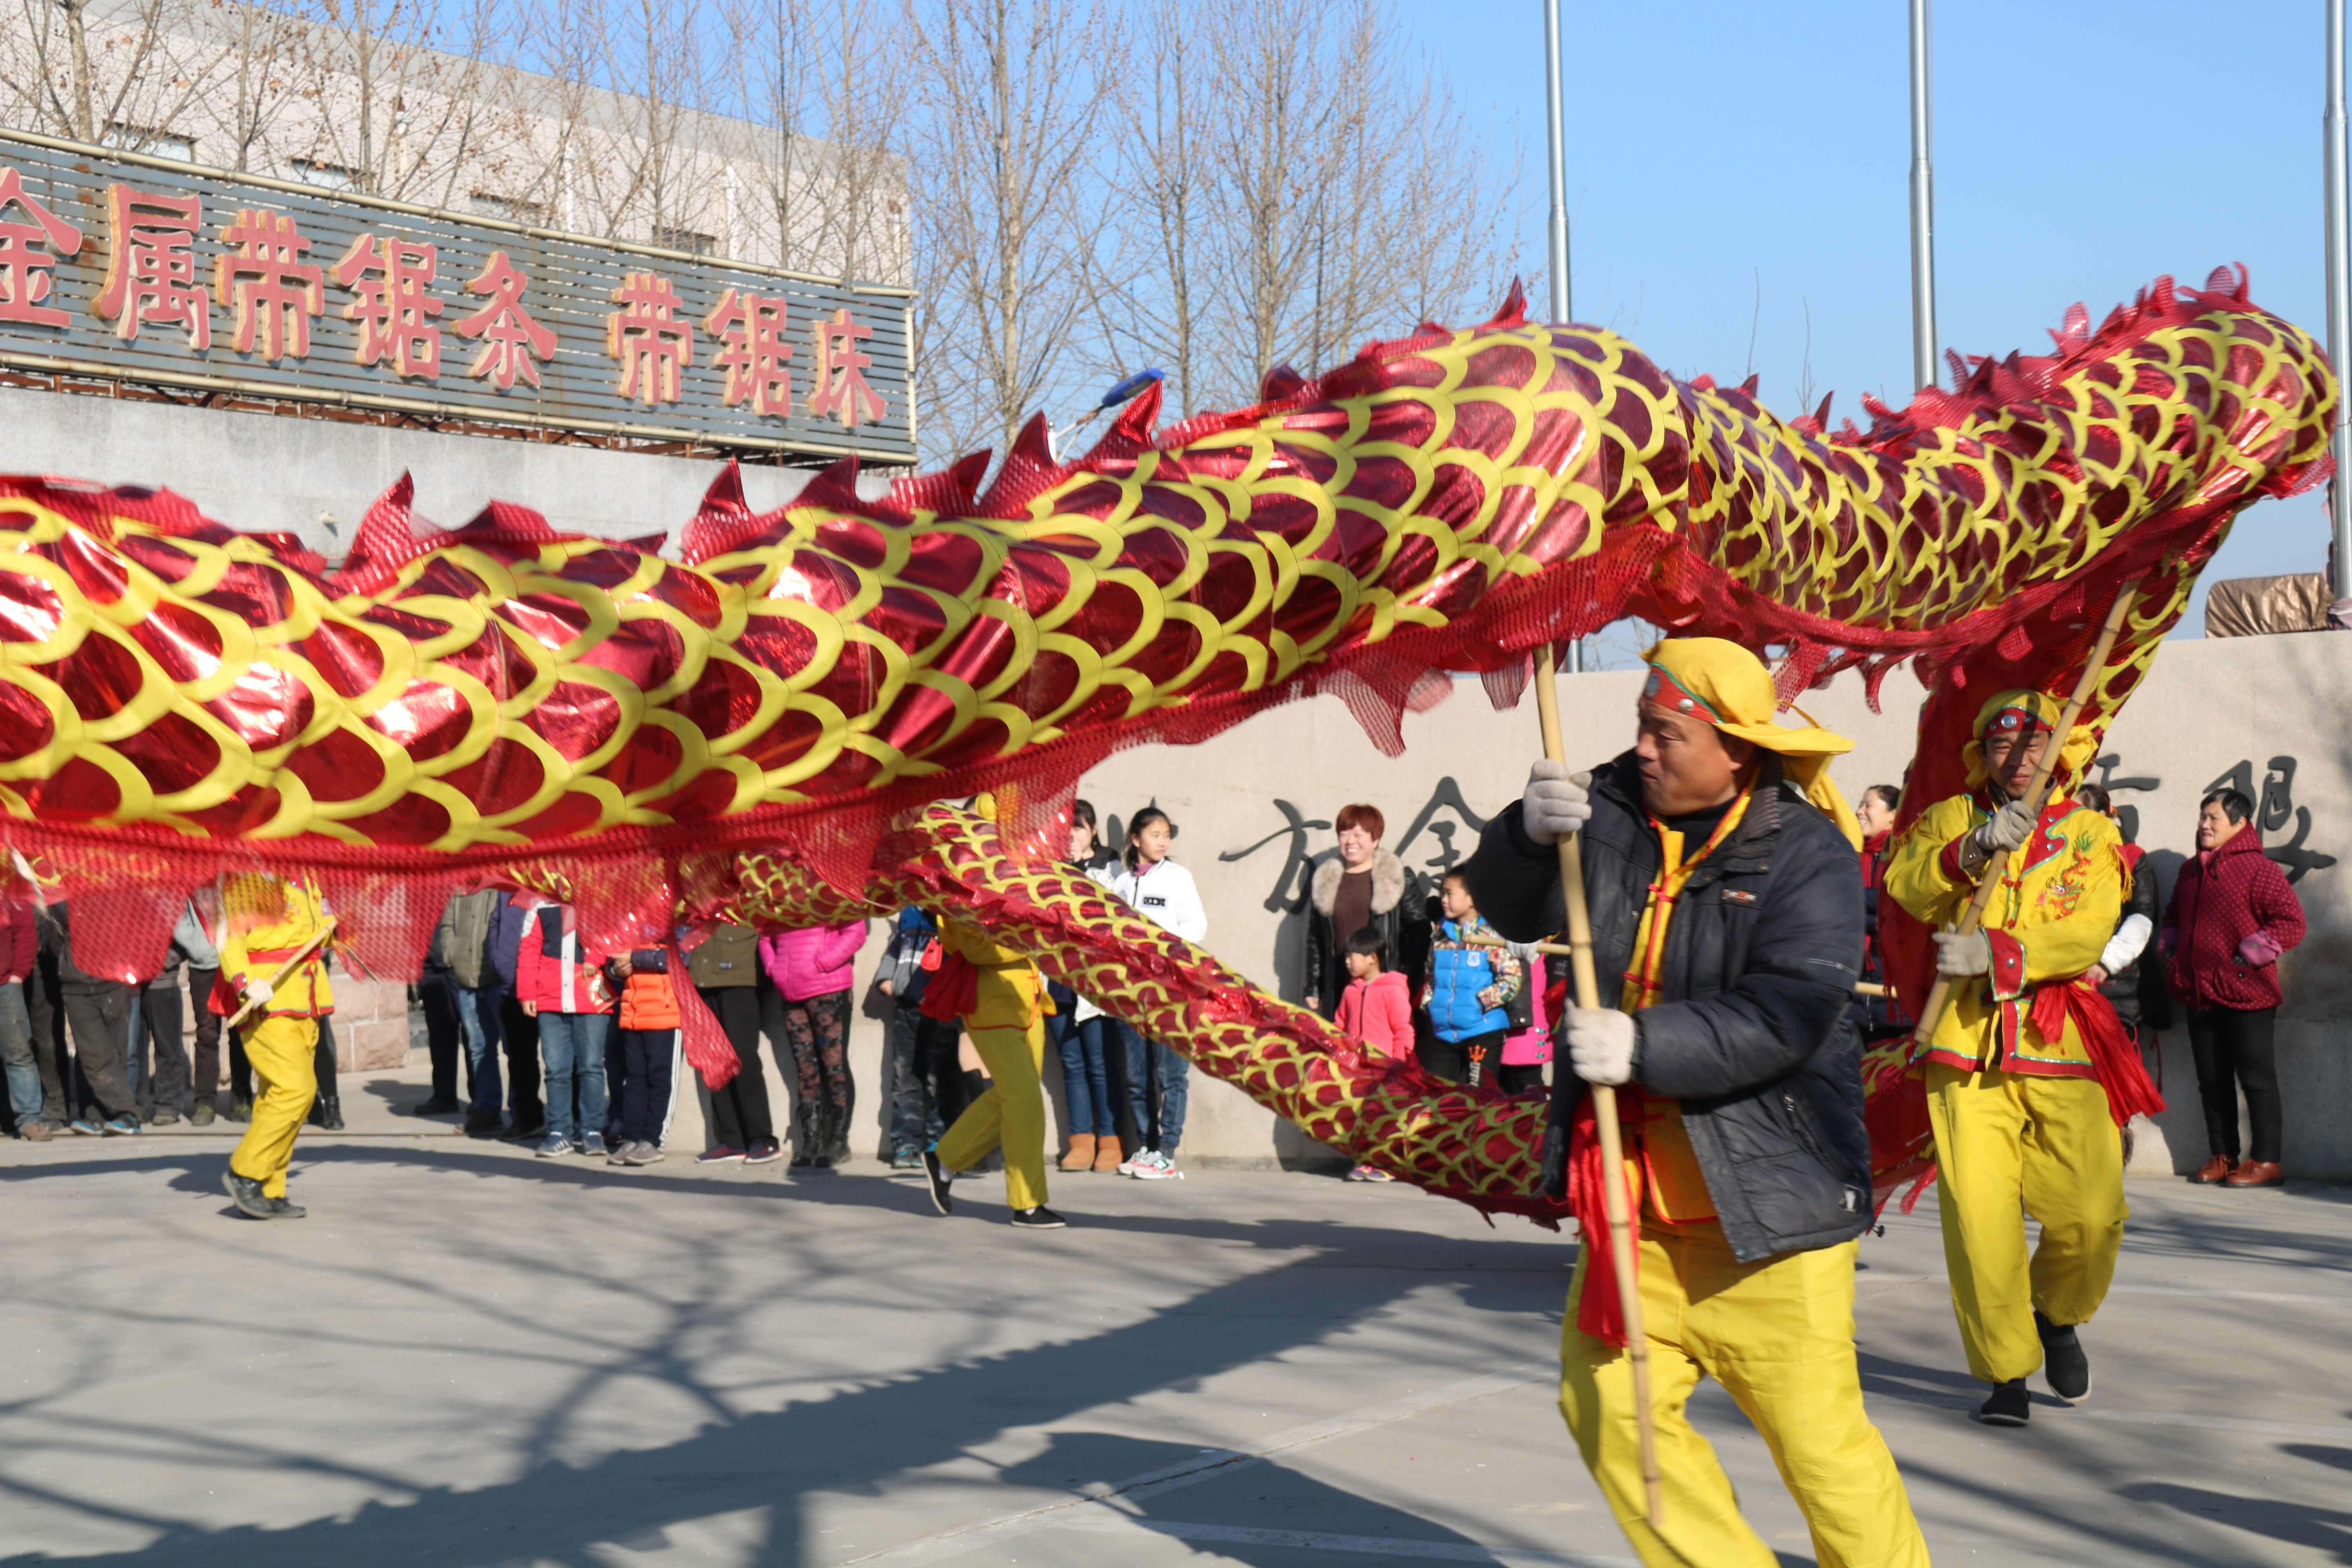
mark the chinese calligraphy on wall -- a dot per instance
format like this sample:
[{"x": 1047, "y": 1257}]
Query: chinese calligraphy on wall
[
  {"x": 1442, "y": 816},
  {"x": 135, "y": 269}
]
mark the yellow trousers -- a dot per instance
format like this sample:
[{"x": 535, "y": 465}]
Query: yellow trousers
[
  {"x": 283, "y": 1052},
  {"x": 1778, "y": 1336},
  {"x": 1012, "y": 1114},
  {"x": 2007, "y": 1142}
]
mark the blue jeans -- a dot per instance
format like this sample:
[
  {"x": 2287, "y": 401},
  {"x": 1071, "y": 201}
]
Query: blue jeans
[
  {"x": 1086, "y": 1073},
  {"x": 16, "y": 1052},
  {"x": 477, "y": 1020},
  {"x": 573, "y": 1047},
  {"x": 1159, "y": 1082}
]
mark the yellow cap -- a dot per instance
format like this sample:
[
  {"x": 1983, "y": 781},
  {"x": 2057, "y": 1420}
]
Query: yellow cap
[{"x": 1723, "y": 684}]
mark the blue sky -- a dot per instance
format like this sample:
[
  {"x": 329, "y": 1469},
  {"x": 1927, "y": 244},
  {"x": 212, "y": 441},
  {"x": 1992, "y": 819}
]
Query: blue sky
[{"x": 1720, "y": 153}]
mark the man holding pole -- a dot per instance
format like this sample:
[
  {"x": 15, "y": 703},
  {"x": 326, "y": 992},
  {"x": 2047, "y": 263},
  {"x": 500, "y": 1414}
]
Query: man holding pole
[
  {"x": 2022, "y": 1119},
  {"x": 1726, "y": 921},
  {"x": 273, "y": 986}
]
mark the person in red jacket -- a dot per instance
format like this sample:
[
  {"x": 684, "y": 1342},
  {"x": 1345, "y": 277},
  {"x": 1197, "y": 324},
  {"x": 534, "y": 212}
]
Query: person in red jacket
[
  {"x": 20, "y": 951},
  {"x": 560, "y": 980},
  {"x": 1376, "y": 1012},
  {"x": 2231, "y": 917}
]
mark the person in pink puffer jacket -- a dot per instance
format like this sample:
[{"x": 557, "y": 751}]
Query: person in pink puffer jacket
[{"x": 812, "y": 969}]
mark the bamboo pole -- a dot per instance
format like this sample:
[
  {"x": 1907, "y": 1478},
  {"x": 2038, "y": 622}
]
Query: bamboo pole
[
  {"x": 2037, "y": 795},
  {"x": 1604, "y": 1105}
]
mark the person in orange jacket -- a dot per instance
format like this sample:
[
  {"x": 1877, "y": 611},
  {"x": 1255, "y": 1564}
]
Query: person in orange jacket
[{"x": 648, "y": 1054}]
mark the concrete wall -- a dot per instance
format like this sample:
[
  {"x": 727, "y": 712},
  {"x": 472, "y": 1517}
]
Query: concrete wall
[{"x": 317, "y": 477}]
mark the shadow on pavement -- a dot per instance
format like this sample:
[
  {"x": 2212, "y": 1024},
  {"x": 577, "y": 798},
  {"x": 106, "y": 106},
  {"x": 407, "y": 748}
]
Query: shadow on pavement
[{"x": 850, "y": 1443}]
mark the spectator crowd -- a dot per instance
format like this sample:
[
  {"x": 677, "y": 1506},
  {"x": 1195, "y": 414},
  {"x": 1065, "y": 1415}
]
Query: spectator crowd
[{"x": 538, "y": 1037}]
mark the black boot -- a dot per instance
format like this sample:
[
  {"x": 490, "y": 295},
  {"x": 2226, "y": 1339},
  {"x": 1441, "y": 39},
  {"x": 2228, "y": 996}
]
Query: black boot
[
  {"x": 328, "y": 1111},
  {"x": 2065, "y": 1367},
  {"x": 824, "y": 1137},
  {"x": 2009, "y": 1405},
  {"x": 804, "y": 1117}
]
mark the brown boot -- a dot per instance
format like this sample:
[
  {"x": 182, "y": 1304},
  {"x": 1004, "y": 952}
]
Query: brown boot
[
  {"x": 1081, "y": 1156},
  {"x": 1108, "y": 1155},
  {"x": 2257, "y": 1173},
  {"x": 2213, "y": 1172}
]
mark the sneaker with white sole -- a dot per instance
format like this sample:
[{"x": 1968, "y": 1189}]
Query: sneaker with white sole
[
  {"x": 1151, "y": 1165},
  {"x": 1127, "y": 1166},
  {"x": 556, "y": 1144},
  {"x": 593, "y": 1145}
]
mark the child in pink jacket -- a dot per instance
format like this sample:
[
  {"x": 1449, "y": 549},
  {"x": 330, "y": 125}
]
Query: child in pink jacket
[
  {"x": 1376, "y": 1010},
  {"x": 813, "y": 969}
]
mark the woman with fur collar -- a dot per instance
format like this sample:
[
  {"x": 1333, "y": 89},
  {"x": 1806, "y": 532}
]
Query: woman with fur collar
[{"x": 1371, "y": 887}]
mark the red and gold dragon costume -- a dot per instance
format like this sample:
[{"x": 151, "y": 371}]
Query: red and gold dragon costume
[{"x": 760, "y": 727}]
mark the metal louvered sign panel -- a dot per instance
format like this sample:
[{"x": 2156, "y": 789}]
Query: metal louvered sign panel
[{"x": 147, "y": 271}]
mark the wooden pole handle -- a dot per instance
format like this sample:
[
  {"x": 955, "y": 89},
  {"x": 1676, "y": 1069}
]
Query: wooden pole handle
[
  {"x": 1604, "y": 1106},
  {"x": 2037, "y": 796}
]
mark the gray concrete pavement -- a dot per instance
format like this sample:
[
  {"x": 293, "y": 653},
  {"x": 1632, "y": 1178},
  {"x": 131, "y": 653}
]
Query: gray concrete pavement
[{"x": 470, "y": 1356}]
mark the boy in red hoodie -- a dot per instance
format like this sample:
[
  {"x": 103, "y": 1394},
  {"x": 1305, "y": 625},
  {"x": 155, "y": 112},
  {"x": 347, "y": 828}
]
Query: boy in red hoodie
[{"x": 1375, "y": 1010}]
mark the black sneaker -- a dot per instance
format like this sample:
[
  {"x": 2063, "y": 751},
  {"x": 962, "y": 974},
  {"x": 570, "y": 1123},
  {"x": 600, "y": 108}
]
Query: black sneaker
[
  {"x": 939, "y": 1176},
  {"x": 280, "y": 1209},
  {"x": 247, "y": 1193},
  {"x": 1039, "y": 1218},
  {"x": 2009, "y": 1405},
  {"x": 2065, "y": 1367}
]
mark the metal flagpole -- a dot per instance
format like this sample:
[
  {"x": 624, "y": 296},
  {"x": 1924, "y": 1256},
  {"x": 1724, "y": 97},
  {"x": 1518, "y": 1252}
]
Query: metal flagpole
[
  {"x": 1557, "y": 264},
  {"x": 1923, "y": 198},
  {"x": 2339, "y": 293}
]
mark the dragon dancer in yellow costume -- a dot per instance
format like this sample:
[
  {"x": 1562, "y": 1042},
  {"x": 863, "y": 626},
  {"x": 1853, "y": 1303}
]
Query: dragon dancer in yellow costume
[
  {"x": 1001, "y": 998},
  {"x": 1726, "y": 908},
  {"x": 2021, "y": 1119},
  {"x": 267, "y": 922}
]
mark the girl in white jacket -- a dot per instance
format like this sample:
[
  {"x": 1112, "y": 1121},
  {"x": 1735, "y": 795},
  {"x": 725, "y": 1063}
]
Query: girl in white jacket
[{"x": 1157, "y": 1079}]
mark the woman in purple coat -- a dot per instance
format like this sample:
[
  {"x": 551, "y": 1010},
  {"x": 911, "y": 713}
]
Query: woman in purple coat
[{"x": 2231, "y": 917}]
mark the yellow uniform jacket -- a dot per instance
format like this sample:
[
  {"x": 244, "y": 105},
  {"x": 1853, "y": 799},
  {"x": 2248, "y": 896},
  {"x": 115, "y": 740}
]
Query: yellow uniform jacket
[
  {"x": 2056, "y": 905},
  {"x": 266, "y": 920},
  {"x": 1007, "y": 985}
]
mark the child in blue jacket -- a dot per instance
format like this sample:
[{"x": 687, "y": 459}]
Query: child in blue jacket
[{"x": 1466, "y": 990}]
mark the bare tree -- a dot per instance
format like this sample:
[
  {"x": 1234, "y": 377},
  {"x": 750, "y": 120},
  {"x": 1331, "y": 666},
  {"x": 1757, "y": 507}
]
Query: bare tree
[
  {"x": 821, "y": 95},
  {"x": 92, "y": 71},
  {"x": 1146, "y": 285},
  {"x": 406, "y": 97},
  {"x": 1005, "y": 147},
  {"x": 256, "y": 76}
]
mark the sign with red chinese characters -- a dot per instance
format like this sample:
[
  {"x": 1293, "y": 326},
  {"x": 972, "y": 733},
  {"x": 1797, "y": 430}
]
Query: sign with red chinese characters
[{"x": 152, "y": 271}]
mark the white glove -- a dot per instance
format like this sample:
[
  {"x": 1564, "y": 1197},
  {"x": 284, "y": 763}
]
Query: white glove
[
  {"x": 259, "y": 992},
  {"x": 1556, "y": 804},
  {"x": 1962, "y": 953},
  {"x": 1601, "y": 1045},
  {"x": 2009, "y": 826}
]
